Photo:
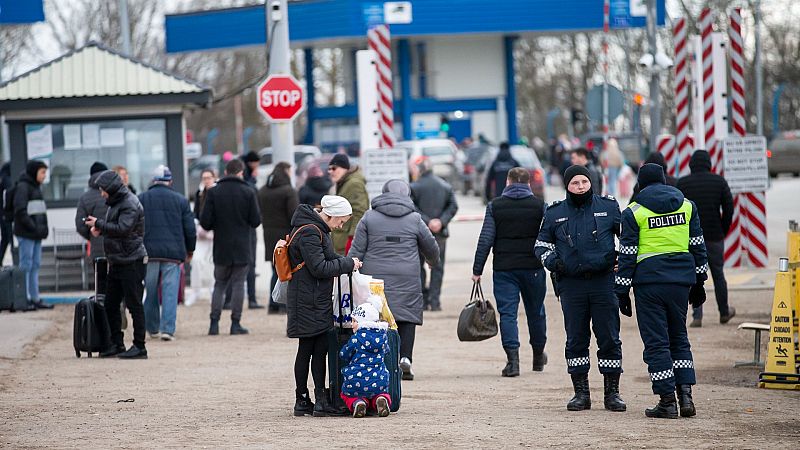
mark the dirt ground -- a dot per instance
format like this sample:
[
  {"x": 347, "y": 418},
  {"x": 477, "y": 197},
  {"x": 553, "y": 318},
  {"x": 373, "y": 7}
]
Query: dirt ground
[{"x": 237, "y": 391}]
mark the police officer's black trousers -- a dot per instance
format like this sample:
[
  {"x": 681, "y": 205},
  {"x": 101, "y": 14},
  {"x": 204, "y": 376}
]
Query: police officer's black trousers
[
  {"x": 586, "y": 301},
  {"x": 661, "y": 313}
]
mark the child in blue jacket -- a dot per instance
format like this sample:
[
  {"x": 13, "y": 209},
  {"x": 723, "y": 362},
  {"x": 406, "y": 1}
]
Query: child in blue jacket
[{"x": 365, "y": 378}]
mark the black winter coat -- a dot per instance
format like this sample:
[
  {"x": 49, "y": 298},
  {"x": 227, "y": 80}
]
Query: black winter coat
[
  {"x": 30, "y": 211},
  {"x": 123, "y": 225},
  {"x": 315, "y": 188},
  {"x": 277, "y": 200},
  {"x": 169, "y": 224},
  {"x": 231, "y": 212},
  {"x": 92, "y": 204},
  {"x": 710, "y": 193},
  {"x": 309, "y": 300},
  {"x": 434, "y": 199}
]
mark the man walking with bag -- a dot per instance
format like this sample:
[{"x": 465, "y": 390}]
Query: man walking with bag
[
  {"x": 231, "y": 212},
  {"x": 510, "y": 227}
]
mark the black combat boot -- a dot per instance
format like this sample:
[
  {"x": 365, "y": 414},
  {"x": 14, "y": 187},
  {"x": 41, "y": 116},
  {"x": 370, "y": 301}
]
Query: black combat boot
[
  {"x": 512, "y": 366},
  {"x": 539, "y": 360},
  {"x": 685, "y": 400},
  {"x": 665, "y": 409},
  {"x": 611, "y": 398},
  {"x": 581, "y": 400},
  {"x": 213, "y": 329},
  {"x": 237, "y": 328},
  {"x": 323, "y": 406},
  {"x": 302, "y": 403}
]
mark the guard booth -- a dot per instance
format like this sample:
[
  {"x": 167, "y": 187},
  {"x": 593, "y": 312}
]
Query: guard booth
[{"x": 94, "y": 104}]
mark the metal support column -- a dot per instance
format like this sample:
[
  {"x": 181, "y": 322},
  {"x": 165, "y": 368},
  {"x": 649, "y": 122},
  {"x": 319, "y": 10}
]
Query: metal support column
[
  {"x": 404, "y": 63},
  {"x": 511, "y": 88},
  {"x": 308, "y": 54}
]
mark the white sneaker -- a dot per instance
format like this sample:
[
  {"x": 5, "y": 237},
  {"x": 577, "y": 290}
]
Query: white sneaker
[
  {"x": 155, "y": 335},
  {"x": 405, "y": 366},
  {"x": 167, "y": 337}
]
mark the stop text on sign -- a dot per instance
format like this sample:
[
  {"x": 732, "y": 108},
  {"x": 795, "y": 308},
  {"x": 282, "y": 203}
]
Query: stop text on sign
[{"x": 280, "y": 98}]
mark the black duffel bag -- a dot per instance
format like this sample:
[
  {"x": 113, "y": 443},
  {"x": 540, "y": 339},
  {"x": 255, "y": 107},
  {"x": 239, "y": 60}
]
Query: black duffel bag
[{"x": 478, "y": 320}]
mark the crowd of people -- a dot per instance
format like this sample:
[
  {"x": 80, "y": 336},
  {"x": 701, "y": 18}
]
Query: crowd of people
[{"x": 669, "y": 236}]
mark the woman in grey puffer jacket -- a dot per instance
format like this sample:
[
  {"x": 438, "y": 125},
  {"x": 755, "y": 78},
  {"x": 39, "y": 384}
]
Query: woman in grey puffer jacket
[{"x": 389, "y": 240}]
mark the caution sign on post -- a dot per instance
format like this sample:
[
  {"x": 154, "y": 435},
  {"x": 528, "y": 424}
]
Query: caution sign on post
[{"x": 780, "y": 371}]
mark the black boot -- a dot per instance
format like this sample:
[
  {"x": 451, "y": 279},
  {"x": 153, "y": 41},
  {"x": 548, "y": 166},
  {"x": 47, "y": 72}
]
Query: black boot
[
  {"x": 539, "y": 360},
  {"x": 611, "y": 398},
  {"x": 581, "y": 400},
  {"x": 113, "y": 350},
  {"x": 665, "y": 409},
  {"x": 237, "y": 328},
  {"x": 134, "y": 353},
  {"x": 323, "y": 406},
  {"x": 302, "y": 403},
  {"x": 213, "y": 329},
  {"x": 685, "y": 400},
  {"x": 512, "y": 366}
]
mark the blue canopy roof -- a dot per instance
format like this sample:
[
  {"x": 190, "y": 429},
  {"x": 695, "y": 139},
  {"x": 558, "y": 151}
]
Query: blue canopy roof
[{"x": 316, "y": 21}]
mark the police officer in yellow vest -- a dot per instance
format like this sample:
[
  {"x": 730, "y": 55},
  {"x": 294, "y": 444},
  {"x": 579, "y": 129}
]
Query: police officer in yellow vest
[{"x": 663, "y": 256}]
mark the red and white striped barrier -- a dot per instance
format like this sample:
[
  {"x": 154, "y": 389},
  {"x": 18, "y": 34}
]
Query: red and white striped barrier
[
  {"x": 682, "y": 139},
  {"x": 380, "y": 42},
  {"x": 755, "y": 215},
  {"x": 706, "y": 28},
  {"x": 665, "y": 143}
]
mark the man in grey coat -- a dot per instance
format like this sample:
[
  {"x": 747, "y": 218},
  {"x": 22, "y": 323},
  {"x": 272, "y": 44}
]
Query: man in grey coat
[
  {"x": 389, "y": 240},
  {"x": 436, "y": 203},
  {"x": 93, "y": 204}
]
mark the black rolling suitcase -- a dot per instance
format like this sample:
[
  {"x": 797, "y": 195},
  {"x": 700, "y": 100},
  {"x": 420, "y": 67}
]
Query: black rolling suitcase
[
  {"x": 91, "y": 332},
  {"x": 392, "y": 361},
  {"x": 337, "y": 338},
  {"x": 13, "y": 292}
]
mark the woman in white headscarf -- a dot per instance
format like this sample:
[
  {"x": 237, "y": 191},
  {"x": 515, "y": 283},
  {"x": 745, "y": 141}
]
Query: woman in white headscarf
[{"x": 308, "y": 305}]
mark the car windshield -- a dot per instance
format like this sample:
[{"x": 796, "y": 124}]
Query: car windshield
[{"x": 437, "y": 151}]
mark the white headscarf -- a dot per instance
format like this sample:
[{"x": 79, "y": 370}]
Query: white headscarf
[{"x": 335, "y": 206}]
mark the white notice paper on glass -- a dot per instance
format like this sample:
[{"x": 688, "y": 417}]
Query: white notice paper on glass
[
  {"x": 72, "y": 137},
  {"x": 112, "y": 137},
  {"x": 39, "y": 140},
  {"x": 91, "y": 135}
]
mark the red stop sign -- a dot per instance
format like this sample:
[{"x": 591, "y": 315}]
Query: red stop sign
[{"x": 280, "y": 98}]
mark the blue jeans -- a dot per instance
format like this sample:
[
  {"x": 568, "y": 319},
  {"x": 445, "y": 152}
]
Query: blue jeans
[
  {"x": 613, "y": 176},
  {"x": 531, "y": 284},
  {"x": 30, "y": 259},
  {"x": 169, "y": 274}
]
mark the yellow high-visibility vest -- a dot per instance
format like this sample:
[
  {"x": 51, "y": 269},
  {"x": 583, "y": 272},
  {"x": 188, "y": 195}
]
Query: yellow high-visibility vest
[{"x": 661, "y": 234}]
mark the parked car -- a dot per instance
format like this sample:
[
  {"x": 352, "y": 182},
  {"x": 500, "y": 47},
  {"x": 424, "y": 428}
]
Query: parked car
[
  {"x": 784, "y": 153},
  {"x": 442, "y": 153},
  {"x": 473, "y": 156},
  {"x": 301, "y": 153},
  {"x": 525, "y": 156},
  {"x": 632, "y": 146}
]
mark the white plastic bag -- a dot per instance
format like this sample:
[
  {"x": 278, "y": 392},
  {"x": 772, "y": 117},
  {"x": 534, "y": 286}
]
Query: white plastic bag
[
  {"x": 280, "y": 292},
  {"x": 360, "y": 288}
]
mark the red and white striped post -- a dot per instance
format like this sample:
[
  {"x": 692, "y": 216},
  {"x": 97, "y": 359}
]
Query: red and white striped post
[
  {"x": 665, "y": 144},
  {"x": 380, "y": 42},
  {"x": 683, "y": 148},
  {"x": 706, "y": 28}
]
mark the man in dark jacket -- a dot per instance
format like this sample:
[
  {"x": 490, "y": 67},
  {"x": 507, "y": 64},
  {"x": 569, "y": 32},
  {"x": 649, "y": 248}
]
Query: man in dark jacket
[
  {"x": 316, "y": 186},
  {"x": 580, "y": 157},
  {"x": 231, "y": 212},
  {"x": 656, "y": 158},
  {"x": 168, "y": 245},
  {"x": 277, "y": 201},
  {"x": 249, "y": 174},
  {"x": 123, "y": 232},
  {"x": 436, "y": 203},
  {"x": 30, "y": 226},
  {"x": 711, "y": 194},
  {"x": 92, "y": 203},
  {"x": 510, "y": 227},
  {"x": 497, "y": 173},
  {"x": 5, "y": 223}
]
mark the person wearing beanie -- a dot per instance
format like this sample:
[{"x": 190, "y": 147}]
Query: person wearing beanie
[
  {"x": 91, "y": 203},
  {"x": 497, "y": 173},
  {"x": 712, "y": 196},
  {"x": 436, "y": 202},
  {"x": 169, "y": 237},
  {"x": 316, "y": 186},
  {"x": 390, "y": 239},
  {"x": 123, "y": 230},
  {"x": 365, "y": 378},
  {"x": 656, "y": 158},
  {"x": 350, "y": 184},
  {"x": 30, "y": 227},
  {"x": 308, "y": 303},
  {"x": 576, "y": 243},
  {"x": 663, "y": 257},
  {"x": 581, "y": 157},
  {"x": 510, "y": 226}
]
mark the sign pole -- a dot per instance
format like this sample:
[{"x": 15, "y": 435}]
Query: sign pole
[
  {"x": 655, "y": 88},
  {"x": 282, "y": 133}
]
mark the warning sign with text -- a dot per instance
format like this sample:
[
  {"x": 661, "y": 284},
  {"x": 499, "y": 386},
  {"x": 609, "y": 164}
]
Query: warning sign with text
[
  {"x": 382, "y": 165},
  {"x": 746, "y": 164}
]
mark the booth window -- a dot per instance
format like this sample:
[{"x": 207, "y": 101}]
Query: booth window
[{"x": 70, "y": 149}]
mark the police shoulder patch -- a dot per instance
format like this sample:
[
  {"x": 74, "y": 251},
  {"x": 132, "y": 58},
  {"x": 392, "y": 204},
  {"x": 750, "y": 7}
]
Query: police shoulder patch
[
  {"x": 554, "y": 203},
  {"x": 610, "y": 197}
]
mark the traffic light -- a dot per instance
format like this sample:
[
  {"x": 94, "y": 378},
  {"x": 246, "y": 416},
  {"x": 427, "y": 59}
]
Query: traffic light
[
  {"x": 638, "y": 99},
  {"x": 444, "y": 123}
]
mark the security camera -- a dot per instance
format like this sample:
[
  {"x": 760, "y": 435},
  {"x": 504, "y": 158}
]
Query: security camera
[
  {"x": 646, "y": 61},
  {"x": 275, "y": 11},
  {"x": 663, "y": 61}
]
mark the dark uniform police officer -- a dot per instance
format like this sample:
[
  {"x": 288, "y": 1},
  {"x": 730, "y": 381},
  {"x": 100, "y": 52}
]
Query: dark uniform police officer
[
  {"x": 663, "y": 256},
  {"x": 576, "y": 242}
]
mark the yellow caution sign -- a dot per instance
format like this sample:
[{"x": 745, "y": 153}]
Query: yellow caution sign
[{"x": 780, "y": 371}]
